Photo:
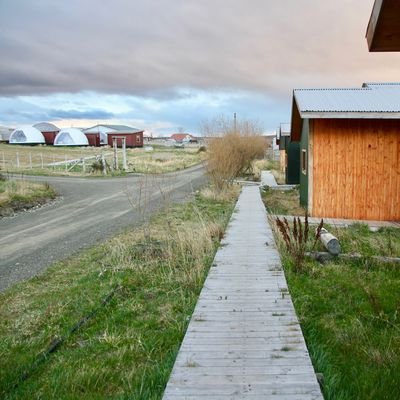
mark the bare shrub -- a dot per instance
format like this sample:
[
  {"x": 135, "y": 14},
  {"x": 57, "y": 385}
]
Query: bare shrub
[{"x": 232, "y": 146}]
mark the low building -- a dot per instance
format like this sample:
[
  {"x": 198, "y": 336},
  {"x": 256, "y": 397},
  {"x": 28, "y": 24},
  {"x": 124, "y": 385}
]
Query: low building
[
  {"x": 184, "y": 138},
  {"x": 103, "y": 130},
  {"x": 349, "y": 151},
  {"x": 71, "y": 137},
  {"x": 49, "y": 131},
  {"x": 26, "y": 135},
  {"x": 133, "y": 138}
]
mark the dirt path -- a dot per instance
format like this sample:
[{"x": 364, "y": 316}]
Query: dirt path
[{"x": 89, "y": 211}]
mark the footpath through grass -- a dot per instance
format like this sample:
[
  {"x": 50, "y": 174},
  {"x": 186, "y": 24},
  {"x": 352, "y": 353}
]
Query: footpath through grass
[
  {"x": 127, "y": 349},
  {"x": 350, "y": 315},
  {"x": 16, "y": 195}
]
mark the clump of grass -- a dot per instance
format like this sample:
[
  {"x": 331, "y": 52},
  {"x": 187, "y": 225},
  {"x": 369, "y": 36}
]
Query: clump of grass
[
  {"x": 228, "y": 193},
  {"x": 282, "y": 202},
  {"x": 358, "y": 238},
  {"x": 128, "y": 348},
  {"x": 18, "y": 194}
]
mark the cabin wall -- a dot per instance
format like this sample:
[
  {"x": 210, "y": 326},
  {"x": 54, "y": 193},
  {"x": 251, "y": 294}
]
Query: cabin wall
[
  {"x": 356, "y": 169},
  {"x": 293, "y": 163}
]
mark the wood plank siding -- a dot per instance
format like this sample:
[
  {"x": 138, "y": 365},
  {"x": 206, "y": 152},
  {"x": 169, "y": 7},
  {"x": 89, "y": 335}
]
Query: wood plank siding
[{"x": 355, "y": 169}]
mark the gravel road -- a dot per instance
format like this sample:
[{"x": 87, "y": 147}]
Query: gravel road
[{"x": 89, "y": 211}]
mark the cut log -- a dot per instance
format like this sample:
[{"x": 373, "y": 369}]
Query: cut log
[{"x": 330, "y": 242}]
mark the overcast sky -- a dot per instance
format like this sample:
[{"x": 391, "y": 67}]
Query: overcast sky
[{"x": 168, "y": 64}]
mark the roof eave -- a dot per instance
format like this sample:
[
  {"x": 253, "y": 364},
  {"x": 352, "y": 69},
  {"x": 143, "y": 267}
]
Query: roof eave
[
  {"x": 383, "y": 32},
  {"x": 350, "y": 115}
]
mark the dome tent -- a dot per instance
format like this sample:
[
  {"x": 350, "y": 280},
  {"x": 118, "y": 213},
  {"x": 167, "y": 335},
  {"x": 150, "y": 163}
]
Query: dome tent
[
  {"x": 71, "y": 137},
  {"x": 46, "y": 127},
  {"x": 26, "y": 135}
]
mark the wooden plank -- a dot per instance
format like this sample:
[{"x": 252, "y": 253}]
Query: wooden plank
[{"x": 244, "y": 339}]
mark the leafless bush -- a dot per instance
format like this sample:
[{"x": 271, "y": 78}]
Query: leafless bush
[{"x": 232, "y": 146}]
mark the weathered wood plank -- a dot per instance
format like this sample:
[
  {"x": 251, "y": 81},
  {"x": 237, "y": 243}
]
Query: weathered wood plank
[{"x": 244, "y": 340}]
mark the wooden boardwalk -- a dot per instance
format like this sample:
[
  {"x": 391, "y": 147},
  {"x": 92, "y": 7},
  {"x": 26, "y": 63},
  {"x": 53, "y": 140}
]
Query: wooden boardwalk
[{"x": 244, "y": 340}]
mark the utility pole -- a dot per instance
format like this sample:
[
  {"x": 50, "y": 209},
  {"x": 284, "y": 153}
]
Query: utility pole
[{"x": 234, "y": 122}]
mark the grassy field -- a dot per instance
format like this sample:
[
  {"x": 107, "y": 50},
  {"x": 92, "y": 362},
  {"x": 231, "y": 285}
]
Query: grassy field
[
  {"x": 150, "y": 277},
  {"x": 21, "y": 194},
  {"x": 349, "y": 313},
  {"x": 282, "y": 202},
  {"x": 50, "y": 160}
]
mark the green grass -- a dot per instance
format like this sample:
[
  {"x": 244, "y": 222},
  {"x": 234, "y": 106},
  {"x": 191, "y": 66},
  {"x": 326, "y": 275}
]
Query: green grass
[
  {"x": 282, "y": 202},
  {"x": 126, "y": 351},
  {"x": 349, "y": 313}
]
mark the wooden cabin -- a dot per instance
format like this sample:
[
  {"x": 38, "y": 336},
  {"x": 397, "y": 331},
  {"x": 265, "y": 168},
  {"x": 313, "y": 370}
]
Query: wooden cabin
[
  {"x": 383, "y": 32},
  {"x": 290, "y": 155},
  {"x": 349, "y": 151}
]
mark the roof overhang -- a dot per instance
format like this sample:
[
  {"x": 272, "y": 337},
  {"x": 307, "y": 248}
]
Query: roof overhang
[
  {"x": 349, "y": 115},
  {"x": 383, "y": 32}
]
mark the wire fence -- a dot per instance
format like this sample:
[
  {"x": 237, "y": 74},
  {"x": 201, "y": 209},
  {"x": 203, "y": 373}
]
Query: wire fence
[{"x": 57, "y": 161}]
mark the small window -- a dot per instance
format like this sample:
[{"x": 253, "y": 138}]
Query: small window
[
  {"x": 137, "y": 139},
  {"x": 304, "y": 161}
]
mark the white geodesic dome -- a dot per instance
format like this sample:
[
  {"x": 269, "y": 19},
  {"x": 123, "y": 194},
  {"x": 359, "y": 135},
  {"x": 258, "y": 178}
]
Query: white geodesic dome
[
  {"x": 26, "y": 135},
  {"x": 71, "y": 137},
  {"x": 46, "y": 127}
]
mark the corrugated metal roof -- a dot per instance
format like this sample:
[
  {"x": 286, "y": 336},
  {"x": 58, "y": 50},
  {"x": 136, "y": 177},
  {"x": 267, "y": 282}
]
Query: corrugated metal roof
[
  {"x": 359, "y": 100},
  {"x": 105, "y": 127},
  {"x": 385, "y": 85}
]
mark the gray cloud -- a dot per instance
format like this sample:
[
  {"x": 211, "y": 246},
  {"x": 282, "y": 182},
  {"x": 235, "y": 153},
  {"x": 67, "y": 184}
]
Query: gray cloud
[
  {"x": 151, "y": 47},
  {"x": 76, "y": 114}
]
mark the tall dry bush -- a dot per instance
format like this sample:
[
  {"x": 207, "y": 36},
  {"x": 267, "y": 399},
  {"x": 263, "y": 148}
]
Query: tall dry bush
[{"x": 232, "y": 146}]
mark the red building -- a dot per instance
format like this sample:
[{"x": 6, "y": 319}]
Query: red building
[
  {"x": 184, "y": 137},
  {"x": 49, "y": 131},
  {"x": 133, "y": 139},
  {"x": 93, "y": 139}
]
